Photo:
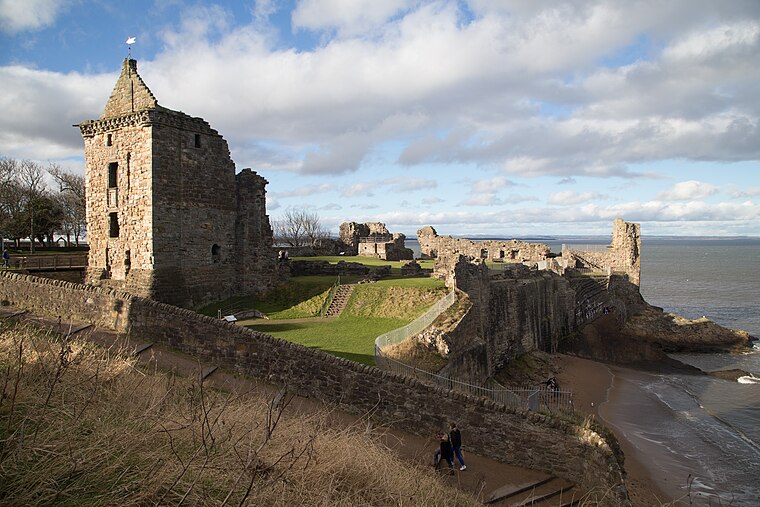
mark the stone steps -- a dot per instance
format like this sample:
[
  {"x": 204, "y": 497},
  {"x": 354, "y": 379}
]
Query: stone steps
[
  {"x": 339, "y": 300},
  {"x": 547, "y": 492}
]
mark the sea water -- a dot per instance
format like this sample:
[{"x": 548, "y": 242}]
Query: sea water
[{"x": 712, "y": 434}]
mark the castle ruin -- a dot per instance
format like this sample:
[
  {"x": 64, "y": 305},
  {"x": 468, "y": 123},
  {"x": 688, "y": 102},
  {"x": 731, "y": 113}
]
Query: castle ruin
[
  {"x": 167, "y": 217},
  {"x": 373, "y": 239}
]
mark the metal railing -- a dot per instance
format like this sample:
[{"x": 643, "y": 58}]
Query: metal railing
[
  {"x": 416, "y": 326},
  {"x": 525, "y": 398}
]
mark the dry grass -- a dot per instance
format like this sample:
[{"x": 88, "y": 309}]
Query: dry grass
[{"x": 80, "y": 425}]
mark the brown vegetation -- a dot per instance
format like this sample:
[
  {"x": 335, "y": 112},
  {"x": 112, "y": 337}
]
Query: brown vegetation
[{"x": 82, "y": 425}]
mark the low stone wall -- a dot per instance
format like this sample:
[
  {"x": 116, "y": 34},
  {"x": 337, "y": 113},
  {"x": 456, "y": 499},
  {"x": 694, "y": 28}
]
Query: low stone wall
[
  {"x": 307, "y": 268},
  {"x": 520, "y": 438}
]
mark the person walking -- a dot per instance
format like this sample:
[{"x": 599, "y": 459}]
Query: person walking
[
  {"x": 455, "y": 437},
  {"x": 447, "y": 452},
  {"x": 6, "y": 258}
]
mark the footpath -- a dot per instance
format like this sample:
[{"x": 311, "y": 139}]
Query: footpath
[{"x": 491, "y": 481}]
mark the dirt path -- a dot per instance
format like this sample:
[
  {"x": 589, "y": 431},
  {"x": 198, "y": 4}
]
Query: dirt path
[{"x": 482, "y": 477}]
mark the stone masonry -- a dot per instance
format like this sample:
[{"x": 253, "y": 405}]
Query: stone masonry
[
  {"x": 167, "y": 217},
  {"x": 433, "y": 246},
  {"x": 623, "y": 255},
  {"x": 373, "y": 239}
]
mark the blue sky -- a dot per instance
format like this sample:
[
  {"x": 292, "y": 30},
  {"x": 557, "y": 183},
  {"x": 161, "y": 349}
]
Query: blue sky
[{"x": 479, "y": 117}]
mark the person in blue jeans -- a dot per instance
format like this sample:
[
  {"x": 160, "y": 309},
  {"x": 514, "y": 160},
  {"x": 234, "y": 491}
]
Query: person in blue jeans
[{"x": 455, "y": 437}]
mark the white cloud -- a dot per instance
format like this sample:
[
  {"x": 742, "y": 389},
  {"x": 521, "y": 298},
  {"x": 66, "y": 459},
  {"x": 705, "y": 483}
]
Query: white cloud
[
  {"x": 688, "y": 190},
  {"x": 406, "y": 184},
  {"x": 737, "y": 192},
  {"x": 305, "y": 191},
  {"x": 569, "y": 197},
  {"x": 346, "y": 16},
  {"x": 359, "y": 189},
  {"x": 19, "y": 15},
  {"x": 491, "y": 184}
]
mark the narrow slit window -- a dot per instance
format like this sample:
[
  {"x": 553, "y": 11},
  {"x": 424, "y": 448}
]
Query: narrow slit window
[
  {"x": 113, "y": 169},
  {"x": 113, "y": 225},
  {"x": 109, "y": 140},
  {"x": 216, "y": 253},
  {"x": 197, "y": 140}
]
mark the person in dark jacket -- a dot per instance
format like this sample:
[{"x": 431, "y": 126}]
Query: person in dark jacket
[
  {"x": 455, "y": 437},
  {"x": 447, "y": 452}
]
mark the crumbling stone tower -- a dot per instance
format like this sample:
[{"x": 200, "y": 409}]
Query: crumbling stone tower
[{"x": 167, "y": 217}]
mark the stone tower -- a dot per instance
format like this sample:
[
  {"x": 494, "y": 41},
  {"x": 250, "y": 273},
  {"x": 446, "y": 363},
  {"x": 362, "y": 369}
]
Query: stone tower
[{"x": 167, "y": 217}]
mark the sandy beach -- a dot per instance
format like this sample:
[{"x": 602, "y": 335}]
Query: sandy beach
[{"x": 595, "y": 389}]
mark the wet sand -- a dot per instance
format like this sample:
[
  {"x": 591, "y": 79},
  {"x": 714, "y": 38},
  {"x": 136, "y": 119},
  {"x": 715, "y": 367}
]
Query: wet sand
[{"x": 597, "y": 392}]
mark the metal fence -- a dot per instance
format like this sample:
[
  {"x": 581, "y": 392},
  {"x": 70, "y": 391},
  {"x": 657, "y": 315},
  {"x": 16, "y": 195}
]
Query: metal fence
[
  {"x": 416, "y": 326},
  {"x": 528, "y": 398},
  {"x": 535, "y": 398}
]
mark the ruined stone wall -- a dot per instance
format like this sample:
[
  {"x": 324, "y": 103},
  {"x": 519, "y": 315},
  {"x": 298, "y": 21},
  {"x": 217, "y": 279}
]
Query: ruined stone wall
[
  {"x": 394, "y": 250},
  {"x": 194, "y": 212},
  {"x": 350, "y": 232},
  {"x": 515, "y": 311},
  {"x": 432, "y": 246},
  {"x": 622, "y": 256},
  {"x": 520, "y": 438},
  {"x": 253, "y": 235}
]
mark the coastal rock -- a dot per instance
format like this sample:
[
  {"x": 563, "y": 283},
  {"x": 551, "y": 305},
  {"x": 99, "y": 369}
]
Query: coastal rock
[
  {"x": 732, "y": 375},
  {"x": 678, "y": 334}
]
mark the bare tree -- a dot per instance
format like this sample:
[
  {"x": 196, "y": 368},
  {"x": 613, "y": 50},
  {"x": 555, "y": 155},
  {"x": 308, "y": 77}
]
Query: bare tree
[
  {"x": 71, "y": 199},
  {"x": 299, "y": 227},
  {"x": 31, "y": 178}
]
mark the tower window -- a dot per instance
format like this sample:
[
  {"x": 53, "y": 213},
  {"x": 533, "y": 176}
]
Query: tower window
[
  {"x": 216, "y": 252},
  {"x": 109, "y": 140},
  {"x": 197, "y": 140},
  {"x": 113, "y": 225},
  {"x": 113, "y": 169}
]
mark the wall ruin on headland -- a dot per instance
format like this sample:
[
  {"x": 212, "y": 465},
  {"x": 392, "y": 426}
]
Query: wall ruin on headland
[
  {"x": 521, "y": 438},
  {"x": 433, "y": 246}
]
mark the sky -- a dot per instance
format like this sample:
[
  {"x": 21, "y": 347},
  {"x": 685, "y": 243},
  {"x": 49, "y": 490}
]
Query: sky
[{"x": 508, "y": 118}]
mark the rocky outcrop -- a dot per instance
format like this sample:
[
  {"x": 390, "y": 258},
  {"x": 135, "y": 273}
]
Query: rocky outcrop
[{"x": 674, "y": 333}]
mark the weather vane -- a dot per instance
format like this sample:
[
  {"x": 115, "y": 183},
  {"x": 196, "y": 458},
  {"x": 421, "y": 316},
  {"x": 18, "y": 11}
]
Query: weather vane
[{"x": 130, "y": 41}]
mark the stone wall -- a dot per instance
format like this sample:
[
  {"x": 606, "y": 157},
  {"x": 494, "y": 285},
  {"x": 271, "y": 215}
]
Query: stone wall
[
  {"x": 515, "y": 311},
  {"x": 392, "y": 250},
  {"x": 520, "y": 438},
  {"x": 383, "y": 245},
  {"x": 622, "y": 256},
  {"x": 434, "y": 246}
]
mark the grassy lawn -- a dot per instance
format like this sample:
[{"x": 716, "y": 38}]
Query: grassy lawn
[
  {"x": 372, "y": 310},
  {"x": 346, "y": 336}
]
